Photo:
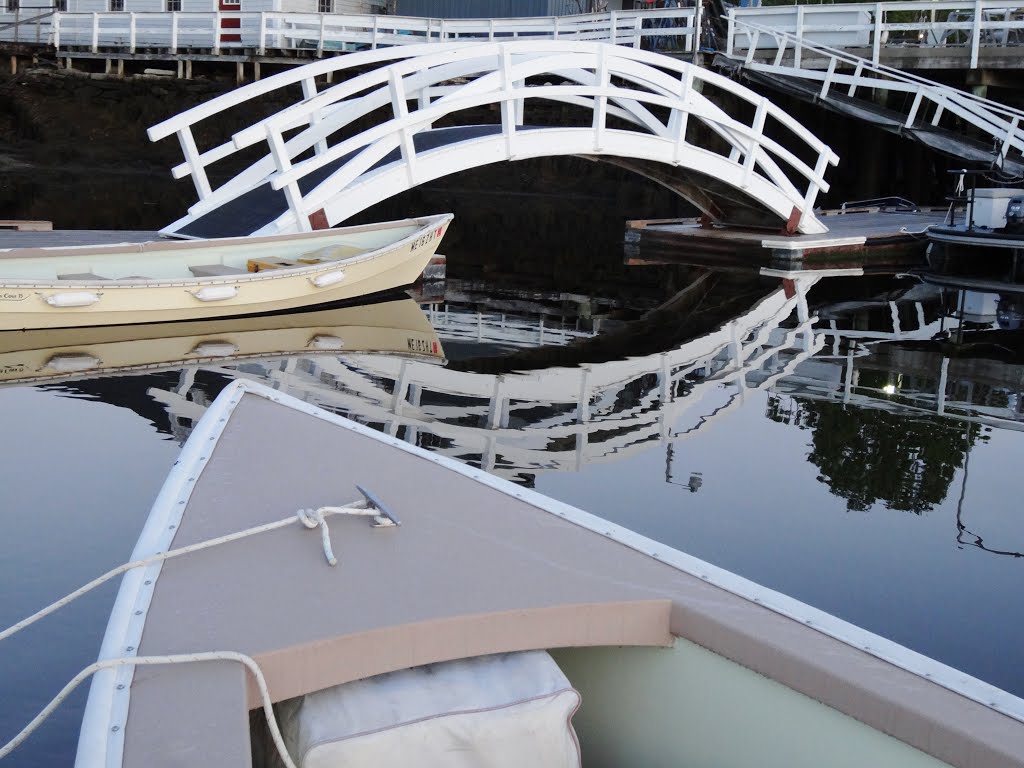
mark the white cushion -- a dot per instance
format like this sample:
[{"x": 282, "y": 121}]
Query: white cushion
[{"x": 503, "y": 711}]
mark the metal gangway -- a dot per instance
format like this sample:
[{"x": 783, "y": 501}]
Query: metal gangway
[
  {"x": 901, "y": 102},
  {"x": 339, "y": 150}
]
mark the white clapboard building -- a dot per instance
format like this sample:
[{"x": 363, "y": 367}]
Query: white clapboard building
[
  {"x": 141, "y": 28},
  {"x": 122, "y": 23}
]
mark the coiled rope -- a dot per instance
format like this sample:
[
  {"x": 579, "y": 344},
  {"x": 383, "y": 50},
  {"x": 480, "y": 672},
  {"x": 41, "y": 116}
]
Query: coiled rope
[{"x": 309, "y": 518}]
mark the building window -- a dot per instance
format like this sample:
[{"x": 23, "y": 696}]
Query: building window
[
  {"x": 60, "y": 5},
  {"x": 325, "y": 6},
  {"x": 12, "y": 6},
  {"x": 173, "y": 5},
  {"x": 116, "y": 5}
]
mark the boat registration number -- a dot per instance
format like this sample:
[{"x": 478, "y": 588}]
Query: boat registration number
[
  {"x": 14, "y": 295},
  {"x": 422, "y": 345},
  {"x": 429, "y": 237}
]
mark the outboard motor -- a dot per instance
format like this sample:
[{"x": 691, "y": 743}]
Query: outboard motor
[
  {"x": 1009, "y": 314},
  {"x": 1015, "y": 215}
]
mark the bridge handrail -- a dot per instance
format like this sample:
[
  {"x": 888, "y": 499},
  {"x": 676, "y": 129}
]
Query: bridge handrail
[
  {"x": 298, "y": 171},
  {"x": 315, "y": 108},
  {"x": 288, "y": 30},
  {"x": 1004, "y": 123},
  {"x": 984, "y": 17}
]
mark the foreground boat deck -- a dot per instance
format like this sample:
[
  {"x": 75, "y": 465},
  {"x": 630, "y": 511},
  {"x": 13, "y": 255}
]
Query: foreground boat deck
[{"x": 463, "y": 576}]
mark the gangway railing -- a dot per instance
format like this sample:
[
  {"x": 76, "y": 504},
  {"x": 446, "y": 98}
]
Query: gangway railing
[
  {"x": 669, "y": 30},
  {"x": 972, "y": 26},
  {"x": 928, "y": 102}
]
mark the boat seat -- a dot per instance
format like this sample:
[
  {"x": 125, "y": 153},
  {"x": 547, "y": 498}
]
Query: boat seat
[
  {"x": 214, "y": 270},
  {"x": 80, "y": 276},
  {"x": 262, "y": 265},
  {"x": 335, "y": 252}
]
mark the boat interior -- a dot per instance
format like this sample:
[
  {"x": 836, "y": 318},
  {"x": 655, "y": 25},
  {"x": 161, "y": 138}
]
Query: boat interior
[
  {"x": 192, "y": 259},
  {"x": 680, "y": 705}
]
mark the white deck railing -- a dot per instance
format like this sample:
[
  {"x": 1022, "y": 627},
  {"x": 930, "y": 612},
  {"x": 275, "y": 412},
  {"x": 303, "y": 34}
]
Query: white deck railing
[
  {"x": 29, "y": 24},
  {"x": 971, "y": 26},
  {"x": 662, "y": 29},
  {"x": 928, "y": 102}
]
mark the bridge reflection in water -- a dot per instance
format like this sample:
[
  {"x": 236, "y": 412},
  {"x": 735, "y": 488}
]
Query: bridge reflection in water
[
  {"x": 893, "y": 406},
  {"x": 555, "y": 419}
]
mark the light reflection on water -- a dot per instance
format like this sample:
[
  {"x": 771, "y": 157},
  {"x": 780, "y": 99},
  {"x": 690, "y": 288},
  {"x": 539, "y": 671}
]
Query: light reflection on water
[{"x": 839, "y": 454}]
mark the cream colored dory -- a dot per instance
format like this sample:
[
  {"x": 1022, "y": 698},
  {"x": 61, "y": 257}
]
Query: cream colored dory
[
  {"x": 391, "y": 607},
  {"x": 168, "y": 280}
]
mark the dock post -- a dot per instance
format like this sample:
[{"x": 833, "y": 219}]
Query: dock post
[
  {"x": 181, "y": 69},
  {"x": 239, "y": 72},
  {"x": 14, "y": 64},
  {"x": 256, "y": 70},
  {"x": 188, "y": 69},
  {"x": 120, "y": 67}
]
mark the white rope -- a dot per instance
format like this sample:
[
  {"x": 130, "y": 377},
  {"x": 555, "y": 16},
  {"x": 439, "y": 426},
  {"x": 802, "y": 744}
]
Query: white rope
[
  {"x": 241, "y": 658},
  {"x": 303, "y": 516},
  {"x": 311, "y": 518}
]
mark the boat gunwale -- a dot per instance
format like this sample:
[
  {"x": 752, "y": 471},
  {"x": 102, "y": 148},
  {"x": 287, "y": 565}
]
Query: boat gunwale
[
  {"x": 961, "y": 235},
  {"x": 242, "y": 278},
  {"x": 105, "y": 736}
]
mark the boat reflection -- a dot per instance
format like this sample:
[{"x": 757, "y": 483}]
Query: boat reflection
[{"x": 395, "y": 325}]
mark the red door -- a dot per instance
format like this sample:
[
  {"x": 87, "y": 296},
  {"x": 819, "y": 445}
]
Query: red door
[{"x": 230, "y": 24}]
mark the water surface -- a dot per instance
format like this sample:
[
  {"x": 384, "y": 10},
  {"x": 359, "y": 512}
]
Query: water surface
[{"x": 861, "y": 456}]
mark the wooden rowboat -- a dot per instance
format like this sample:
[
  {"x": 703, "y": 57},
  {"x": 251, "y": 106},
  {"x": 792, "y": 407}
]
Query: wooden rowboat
[
  {"x": 170, "y": 280},
  {"x": 676, "y": 662}
]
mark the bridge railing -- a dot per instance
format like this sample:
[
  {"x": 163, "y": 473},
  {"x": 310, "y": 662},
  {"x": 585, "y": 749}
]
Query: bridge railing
[
  {"x": 927, "y": 102},
  {"x": 971, "y": 26},
  {"x": 497, "y": 74},
  {"x": 662, "y": 29}
]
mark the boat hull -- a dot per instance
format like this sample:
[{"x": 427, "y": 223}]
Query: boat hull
[
  {"x": 961, "y": 237},
  {"x": 58, "y": 304}
]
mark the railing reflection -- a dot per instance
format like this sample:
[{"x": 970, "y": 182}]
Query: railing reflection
[{"x": 555, "y": 419}]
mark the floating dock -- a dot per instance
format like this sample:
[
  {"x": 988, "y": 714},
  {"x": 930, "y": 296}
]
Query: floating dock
[{"x": 851, "y": 231}]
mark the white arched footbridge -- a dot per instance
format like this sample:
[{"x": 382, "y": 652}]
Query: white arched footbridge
[{"x": 404, "y": 116}]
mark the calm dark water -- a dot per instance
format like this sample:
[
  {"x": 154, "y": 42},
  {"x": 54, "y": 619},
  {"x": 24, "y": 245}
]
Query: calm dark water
[{"x": 864, "y": 459}]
